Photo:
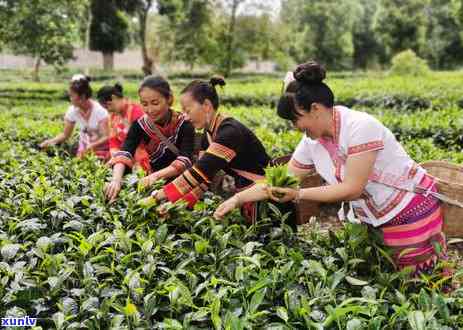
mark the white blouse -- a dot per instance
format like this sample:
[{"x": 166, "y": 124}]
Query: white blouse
[
  {"x": 89, "y": 129},
  {"x": 355, "y": 133}
]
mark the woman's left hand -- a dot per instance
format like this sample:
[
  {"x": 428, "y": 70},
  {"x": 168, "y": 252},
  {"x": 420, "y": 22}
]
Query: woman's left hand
[
  {"x": 159, "y": 195},
  {"x": 282, "y": 195}
]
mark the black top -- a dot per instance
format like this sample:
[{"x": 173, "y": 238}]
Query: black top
[{"x": 175, "y": 128}]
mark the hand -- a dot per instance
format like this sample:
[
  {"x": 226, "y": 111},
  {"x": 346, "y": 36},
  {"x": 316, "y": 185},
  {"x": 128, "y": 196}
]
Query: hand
[
  {"x": 149, "y": 180},
  {"x": 282, "y": 195},
  {"x": 159, "y": 195},
  {"x": 112, "y": 189},
  {"x": 83, "y": 152},
  {"x": 227, "y": 206},
  {"x": 46, "y": 144}
]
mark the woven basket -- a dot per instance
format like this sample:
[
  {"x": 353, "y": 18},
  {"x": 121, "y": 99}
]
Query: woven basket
[
  {"x": 449, "y": 179},
  {"x": 304, "y": 209}
]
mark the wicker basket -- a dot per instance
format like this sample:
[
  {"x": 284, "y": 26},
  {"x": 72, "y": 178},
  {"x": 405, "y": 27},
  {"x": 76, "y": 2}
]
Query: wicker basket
[
  {"x": 305, "y": 209},
  {"x": 449, "y": 183}
]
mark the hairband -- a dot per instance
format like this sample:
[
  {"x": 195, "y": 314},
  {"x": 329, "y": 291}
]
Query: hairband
[{"x": 78, "y": 77}]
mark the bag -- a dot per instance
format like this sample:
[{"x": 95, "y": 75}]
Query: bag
[{"x": 164, "y": 140}]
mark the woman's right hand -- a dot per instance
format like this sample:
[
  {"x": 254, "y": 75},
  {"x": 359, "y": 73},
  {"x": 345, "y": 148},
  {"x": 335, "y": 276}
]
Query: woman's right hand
[
  {"x": 46, "y": 143},
  {"x": 226, "y": 207},
  {"x": 149, "y": 180},
  {"x": 112, "y": 189}
]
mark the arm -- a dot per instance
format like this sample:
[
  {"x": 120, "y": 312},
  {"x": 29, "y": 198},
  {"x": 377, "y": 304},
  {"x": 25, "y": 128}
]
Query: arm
[
  {"x": 358, "y": 170},
  {"x": 257, "y": 192},
  {"x": 60, "y": 138},
  {"x": 121, "y": 160},
  {"x": 190, "y": 185},
  {"x": 112, "y": 188},
  {"x": 131, "y": 143},
  {"x": 299, "y": 170},
  {"x": 103, "y": 127},
  {"x": 185, "y": 145}
]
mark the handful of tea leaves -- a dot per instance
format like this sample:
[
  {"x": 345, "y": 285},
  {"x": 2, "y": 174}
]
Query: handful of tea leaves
[
  {"x": 147, "y": 202},
  {"x": 278, "y": 176}
]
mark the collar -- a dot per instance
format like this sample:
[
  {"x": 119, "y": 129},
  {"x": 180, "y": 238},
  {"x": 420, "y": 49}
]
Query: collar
[
  {"x": 214, "y": 124},
  {"x": 335, "y": 129}
]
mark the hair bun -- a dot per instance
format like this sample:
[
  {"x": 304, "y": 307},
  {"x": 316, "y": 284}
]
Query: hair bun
[
  {"x": 217, "y": 80},
  {"x": 310, "y": 73},
  {"x": 118, "y": 87}
]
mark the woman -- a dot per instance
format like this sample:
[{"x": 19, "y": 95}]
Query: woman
[
  {"x": 227, "y": 145},
  {"x": 167, "y": 136},
  {"x": 362, "y": 162},
  {"x": 91, "y": 118},
  {"x": 123, "y": 113}
]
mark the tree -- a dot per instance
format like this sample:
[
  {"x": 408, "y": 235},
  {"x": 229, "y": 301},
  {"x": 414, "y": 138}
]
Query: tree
[
  {"x": 368, "y": 51},
  {"x": 108, "y": 30},
  {"x": 444, "y": 46},
  {"x": 322, "y": 30},
  {"x": 401, "y": 25},
  {"x": 263, "y": 38},
  {"x": 31, "y": 28},
  {"x": 193, "y": 38},
  {"x": 141, "y": 9},
  {"x": 230, "y": 36}
]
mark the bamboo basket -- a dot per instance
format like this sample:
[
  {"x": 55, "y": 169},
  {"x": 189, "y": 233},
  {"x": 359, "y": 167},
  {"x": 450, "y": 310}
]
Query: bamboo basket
[
  {"x": 304, "y": 209},
  {"x": 449, "y": 179}
]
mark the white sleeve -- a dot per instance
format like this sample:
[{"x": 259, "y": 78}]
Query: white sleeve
[
  {"x": 101, "y": 112},
  {"x": 302, "y": 157},
  {"x": 366, "y": 134},
  {"x": 70, "y": 115}
]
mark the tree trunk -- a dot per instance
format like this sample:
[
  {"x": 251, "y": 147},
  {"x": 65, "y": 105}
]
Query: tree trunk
[
  {"x": 148, "y": 63},
  {"x": 108, "y": 61},
  {"x": 36, "y": 76},
  {"x": 87, "y": 37},
  {"x": 231, "y": 37}
]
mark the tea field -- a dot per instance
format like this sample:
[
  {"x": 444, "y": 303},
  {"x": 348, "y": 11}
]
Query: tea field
[{"x": 73, "y": 261}]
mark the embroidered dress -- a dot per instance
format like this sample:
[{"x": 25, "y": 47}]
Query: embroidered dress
[
  {"x": 411, "y": 223},
  {"x": 119, "y": 125},
  {"x": 355, "y": 133},
  {"x": 174, "y": 127},
  {"x": 89, "y": 128},
  {"x": 231, "y": 147}
]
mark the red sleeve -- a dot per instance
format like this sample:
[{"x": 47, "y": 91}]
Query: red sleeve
[
  {"x": 114, "y": 144},
  {"x": 137, "y": 112}
]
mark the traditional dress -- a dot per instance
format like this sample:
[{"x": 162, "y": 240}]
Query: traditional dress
[
  {"x": 411, "y": 223},
  {"x": 119, "y": 125},
  {"x": 226, "y": 145},
  {"x": 90, "y": 130},
  {"x": 177, "y": 131}
]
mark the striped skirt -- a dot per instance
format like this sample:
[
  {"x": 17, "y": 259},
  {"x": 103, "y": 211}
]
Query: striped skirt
[{"x": 415, "y": 234}]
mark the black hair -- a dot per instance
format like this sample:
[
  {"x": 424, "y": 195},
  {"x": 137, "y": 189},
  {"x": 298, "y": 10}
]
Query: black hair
[
  {"x": 202, "y": 90},
  {"x": 80, "y": 84},
  {"x": 158, "y": 84},
  {"x": 106, "y": 92},
  {"x": 307, "y": 88}
]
